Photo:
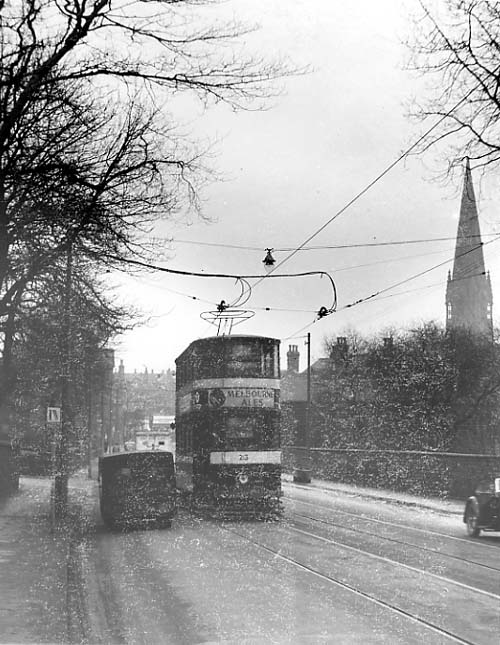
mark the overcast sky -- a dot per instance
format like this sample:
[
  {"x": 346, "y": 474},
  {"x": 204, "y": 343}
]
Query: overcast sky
[{"x": 289, "y": 169}]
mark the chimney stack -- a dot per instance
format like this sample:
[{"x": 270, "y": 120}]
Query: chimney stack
[
  {"x": 292, "y": 358},
  {"x": 388, "y": 342},
  {"x": 340, "y": 350}
]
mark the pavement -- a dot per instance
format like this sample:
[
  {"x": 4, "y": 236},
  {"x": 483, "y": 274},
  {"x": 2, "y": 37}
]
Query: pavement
[
  {"x": 448, "y": 506},
  {"x": 39, "y": 590}
]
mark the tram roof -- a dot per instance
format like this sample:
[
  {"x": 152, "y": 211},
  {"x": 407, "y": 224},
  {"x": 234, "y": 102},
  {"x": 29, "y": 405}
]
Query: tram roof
[{"x": 232, "y": 337}]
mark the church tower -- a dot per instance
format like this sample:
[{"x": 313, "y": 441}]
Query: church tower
[{"x": 468, "y": 293}]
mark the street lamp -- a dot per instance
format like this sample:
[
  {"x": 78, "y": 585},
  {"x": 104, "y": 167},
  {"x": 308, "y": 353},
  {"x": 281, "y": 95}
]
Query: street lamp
[{"x": 269, "y": 261}]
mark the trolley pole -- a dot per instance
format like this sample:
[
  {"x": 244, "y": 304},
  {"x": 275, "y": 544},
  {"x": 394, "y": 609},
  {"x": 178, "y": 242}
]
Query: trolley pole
[{"x": 302, "y": 475}]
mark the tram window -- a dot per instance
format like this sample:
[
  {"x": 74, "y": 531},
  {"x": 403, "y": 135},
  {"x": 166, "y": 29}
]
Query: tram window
[
  {"x": 181, "y": 377},
  {"x": 241, "y": 427},
  {"x": 205, "y": 362},
  {"x": 246, "y": 351},
  {"x": 244, "y": 359},
  {"x": 270, "y": 367}
]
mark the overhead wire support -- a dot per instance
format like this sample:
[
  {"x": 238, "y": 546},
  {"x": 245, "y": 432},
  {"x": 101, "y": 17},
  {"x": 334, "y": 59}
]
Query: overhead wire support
[
  {"x": 246, "y": 288},
  {"x": 378, "y": 294},
  {"x": 374, "y": 181},
  {"x": 326, "y": 247},
  {"x": 418, "y": 275},
  {"x": 323, "y": 311}
]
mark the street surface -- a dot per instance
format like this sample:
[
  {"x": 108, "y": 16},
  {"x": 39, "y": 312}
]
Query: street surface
[{"x": 336, "y": 569}]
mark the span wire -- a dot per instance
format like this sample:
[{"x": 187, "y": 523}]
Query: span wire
[
  {"x": 247, "y": 290},
  {"x": 366, "y": 188},
  {"x": 353, "y": 245},
  {"x": 375, "y": 296}
]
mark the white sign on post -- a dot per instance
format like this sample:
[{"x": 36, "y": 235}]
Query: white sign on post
[{"x": 53, "y": 415}]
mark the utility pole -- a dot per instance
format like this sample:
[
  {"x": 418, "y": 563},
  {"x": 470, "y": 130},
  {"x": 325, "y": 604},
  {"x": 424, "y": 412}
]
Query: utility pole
[
  {"x": 302, "y": 475},
  {"x": 62, "y": 442},
  {"x": 90, "y": 412},
  {"x": 307, "y": 438}
]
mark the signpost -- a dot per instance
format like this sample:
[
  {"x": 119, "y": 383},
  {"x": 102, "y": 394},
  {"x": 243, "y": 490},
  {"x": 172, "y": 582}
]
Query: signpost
[
  {"x": 53, "y": 415},
  {"x": 53, "y": 418}
]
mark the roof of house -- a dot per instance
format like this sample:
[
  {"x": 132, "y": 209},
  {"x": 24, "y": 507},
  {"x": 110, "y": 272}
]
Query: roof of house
[{"x": 294, "y": 384}]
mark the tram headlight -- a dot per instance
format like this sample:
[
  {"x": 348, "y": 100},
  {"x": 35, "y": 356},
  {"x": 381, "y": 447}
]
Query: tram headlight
[{"x": 243, "y": 478}]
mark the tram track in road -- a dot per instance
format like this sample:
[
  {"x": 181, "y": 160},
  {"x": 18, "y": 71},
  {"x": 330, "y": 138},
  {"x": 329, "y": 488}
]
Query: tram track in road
[
  {"x": 380, "y": 558},
  {"x": 343, "y": 584},
  {"x": 394, "y": 540},
  {"x": 399, "y": 525}
]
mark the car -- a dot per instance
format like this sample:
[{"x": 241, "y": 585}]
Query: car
[{"x": 482, "y": 509}]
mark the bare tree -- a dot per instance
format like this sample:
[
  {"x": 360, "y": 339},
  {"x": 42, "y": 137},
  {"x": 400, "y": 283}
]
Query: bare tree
[
  {"x": 40, "y": 339},
  {"x": 89, "y": 157},
  {"x": 456, "y": 46},
  {"x": 83, "y": 89}
]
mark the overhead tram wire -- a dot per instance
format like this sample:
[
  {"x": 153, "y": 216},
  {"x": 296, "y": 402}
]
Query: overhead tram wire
[
  {"x": 375, "y": 296},
  {"x": 417, "y": 275},
  {"x": 366, "y": 188},
  {"x": 389, "y": 261},
  {"x": 434, "y": 286},
  {"x": 325, "y": 247},
  {"x": 260, "y": 279},
  {"x": 403, "y": 295},
  {"x": 203, "y": 274},
  {"x": 427, "y": 286},
  {"x": 209, "y": 302},
  {"x": 238, "y": 278},
  {"x": 178, "y": 293}
]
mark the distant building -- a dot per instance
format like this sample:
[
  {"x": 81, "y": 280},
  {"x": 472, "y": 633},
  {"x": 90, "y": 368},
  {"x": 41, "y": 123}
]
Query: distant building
[
  {"x": 294, "y": 395},
  {"x": 137, "y": 397},
  {"x": 468, "y": 294}
]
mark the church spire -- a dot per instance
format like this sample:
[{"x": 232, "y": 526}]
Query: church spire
[{"x": 468, "y": 293}]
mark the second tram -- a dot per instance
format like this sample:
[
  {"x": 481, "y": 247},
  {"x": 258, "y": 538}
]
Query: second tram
[{"x": 228, "y": 424}]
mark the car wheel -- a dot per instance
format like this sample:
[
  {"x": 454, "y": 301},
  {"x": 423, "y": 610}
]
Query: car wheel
[{"x": 471, "y": 520}]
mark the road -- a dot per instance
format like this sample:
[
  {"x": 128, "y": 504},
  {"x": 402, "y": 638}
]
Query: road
[{"x": 335, "y": 569}]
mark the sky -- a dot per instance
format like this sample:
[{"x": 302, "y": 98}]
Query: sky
[{"x": 288, "y": 170}]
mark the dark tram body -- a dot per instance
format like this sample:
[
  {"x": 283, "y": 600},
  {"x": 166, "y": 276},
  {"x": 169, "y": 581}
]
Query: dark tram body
[
  {"x": 137, "y": 489},
  {"x": 228, "y": 455}
]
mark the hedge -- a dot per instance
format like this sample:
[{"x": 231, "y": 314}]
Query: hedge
[{"x": 434, "y": 474}]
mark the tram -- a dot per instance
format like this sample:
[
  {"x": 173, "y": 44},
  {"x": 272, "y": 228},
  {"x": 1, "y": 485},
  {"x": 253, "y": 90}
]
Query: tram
[
  {"x": 228, "y": 425},
  {"x": 137, "y": 488}
]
